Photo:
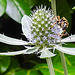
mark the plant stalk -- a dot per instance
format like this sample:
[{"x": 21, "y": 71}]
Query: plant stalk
[
  {"x": 50, "y": 66},
  {"x": 53, "y": 4},
  {"x": 63, "y": 63}
]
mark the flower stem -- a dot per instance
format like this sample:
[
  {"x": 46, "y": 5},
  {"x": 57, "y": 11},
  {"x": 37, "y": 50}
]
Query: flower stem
[
  {"x": 64, "y": 63},
  {"x": 50, "y": 66},
  {"x": 53, "y": 4}
]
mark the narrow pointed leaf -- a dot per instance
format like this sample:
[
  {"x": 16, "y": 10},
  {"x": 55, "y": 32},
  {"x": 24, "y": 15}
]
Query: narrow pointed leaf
[
  {"x": 26, "y": 26},
  {"x": 11, "y": 41},
  {"x": 66, "y": 50}
]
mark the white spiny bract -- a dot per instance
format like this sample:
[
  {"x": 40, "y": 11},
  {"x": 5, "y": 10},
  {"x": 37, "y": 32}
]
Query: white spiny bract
[{"x": 41, "y": 34}]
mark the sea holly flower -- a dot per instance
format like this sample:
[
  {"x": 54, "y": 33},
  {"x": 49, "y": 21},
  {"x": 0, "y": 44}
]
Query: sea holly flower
[{"x": 38, "y": 31}]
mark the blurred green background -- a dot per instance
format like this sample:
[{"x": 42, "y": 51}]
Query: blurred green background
[{"x": 11, "y": 12}]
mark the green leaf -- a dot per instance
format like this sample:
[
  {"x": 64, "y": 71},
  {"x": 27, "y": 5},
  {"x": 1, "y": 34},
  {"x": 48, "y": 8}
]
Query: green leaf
[
  {"x": 21, "y": 72},
  {"x": 13, "y": 67},
  {"x": 71, "y": 3},
  {"x": 43, "y": 68},
  {"x": 3, "y": 4},
  {"x": 16, "y": 9},
  {"x": 64, "y": 11},
  {"x": 71, "y": 45},
  {"x": 49, "y": 0},
  {"x": 28, "y": 72},
  {"x": 24, "y": 72},
  {"x": 44, "y": 2},
  {"x": 35, "y": 72},
  {"x": 4, "y": 63},
  {"x": 14, "y": 64},
  {"x": 70, "y": 60},
  {"x": 31, "y": 3},
  {"x": 73, "y": 8},
  {"x": 59, "y": 69}
]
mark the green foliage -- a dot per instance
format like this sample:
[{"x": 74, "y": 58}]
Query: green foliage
[
  {"x": 71, "y": 3},
  {"x": 13, "y": 67},
  {"x": 31, "y": 3},
  {"x": 39, "y": 69},
  {"x": 2, "y": 7},
  {"x": 49, "y": 0},
  {"x": 16, "y": 9},
  {"x": 21, "y": 72},
  {"x": 28, "y": 72},
  {"x": 4, "y": 63},
  {"x": 73, "y": 8},
  {"x": 43, "y": 68},
  {"x": 44, "y": 2}
]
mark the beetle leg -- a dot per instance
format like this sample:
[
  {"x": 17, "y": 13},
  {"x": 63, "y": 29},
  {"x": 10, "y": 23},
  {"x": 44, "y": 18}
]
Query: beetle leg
[
  {"x": 57, "y": 18},
  {"x": 53, "y": 25}
]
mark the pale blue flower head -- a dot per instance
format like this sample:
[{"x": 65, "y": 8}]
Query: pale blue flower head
[{"x": 38, "y": 31}]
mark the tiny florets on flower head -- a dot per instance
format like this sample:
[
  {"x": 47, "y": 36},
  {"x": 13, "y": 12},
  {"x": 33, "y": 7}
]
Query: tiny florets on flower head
[{"x": 42, "y": 20}]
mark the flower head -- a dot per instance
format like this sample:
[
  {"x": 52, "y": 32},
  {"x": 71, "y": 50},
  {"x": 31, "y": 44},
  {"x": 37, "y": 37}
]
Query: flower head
[
  {"x": 38, "y": 30},
  {"x": 43, "y": 32}
]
